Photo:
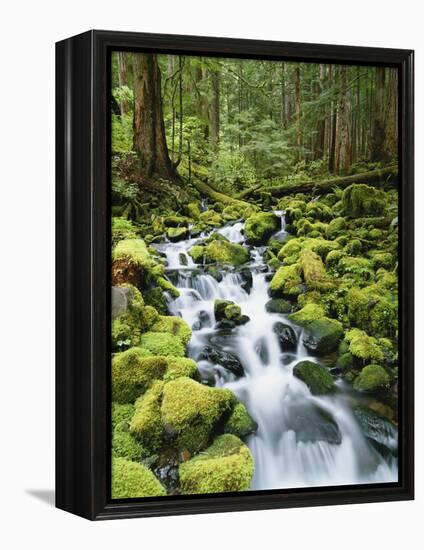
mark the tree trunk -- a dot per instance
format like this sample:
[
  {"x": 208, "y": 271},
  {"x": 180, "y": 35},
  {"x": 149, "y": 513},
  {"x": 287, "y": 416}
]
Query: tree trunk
[
  {"x": 122, "y": 80},
  {"x": 215, "y": 110},
  {"x": 386, "y": 176},
  {"x": 297, "y": 110},
  {"x": 149, "y": 130},
  {"x": 344, "y": 133},
  {"x": 333, "y": 124}
]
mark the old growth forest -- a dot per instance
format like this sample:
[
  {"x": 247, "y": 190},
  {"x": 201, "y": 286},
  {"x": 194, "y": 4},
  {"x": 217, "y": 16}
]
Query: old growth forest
[{"x": 254, "y": 272}]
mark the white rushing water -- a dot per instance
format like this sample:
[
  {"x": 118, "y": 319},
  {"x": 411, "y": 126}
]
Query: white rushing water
[{"x": 302, "y": 440}]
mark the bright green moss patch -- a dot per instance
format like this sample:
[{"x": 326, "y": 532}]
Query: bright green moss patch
[
  {"x": 314, "y": 272},
  {"x": 124, "y": 445},
  {"x": 175, "y": 234},
  {"x": 311, "y": 312},
  {"x": 372, "y": 378},
  {"x": 133, "y": 372},
  {"x": 362, "y": 200},
  {"x": 132, "y": 480},
  {"x": 259, "y": 227},
  {"x": 180, "y": 366},
  {"x": 122, "y": 229},
  {"x": 227, "y": 465},
  {"x": 162, "y": 343},
  {"x": 363, "y": 346},
  {"x": 191, "y": 410},
  {"x": 286, "y": 281},
  {"x": 317, "y": 378},
  {"x": 240, "y": 423},
  {"x": 122, "y": 413},
  {"x": 146, "y": 424},
  {"x": 220, "y": 250},
  {"x": 173, "y": 325}
]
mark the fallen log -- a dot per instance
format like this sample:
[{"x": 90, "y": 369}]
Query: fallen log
[
  {"x": 386, "y": 176},
  {"x": 207, "y": 190},
  {"x": 248, "y": 191}
]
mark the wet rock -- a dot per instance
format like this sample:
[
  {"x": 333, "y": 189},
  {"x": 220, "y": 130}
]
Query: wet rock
[
  {"x": 215, "y": 273},
  {"x": 262, "y": 351},
  {"x": 381, "y": 433},
  {"x": 176, "y": 234},
  {"x": 312, "y": 423},
  {"x": 247, "y": 280},
  {"x": 286, "y": 336},
  {"x": 223, "y": 358},
  {"x": 317, "y": 378},
  {"x": 322, "y": 336},
  {"x": 278, "y": 305},
  {"x": 183, "y": 258}
]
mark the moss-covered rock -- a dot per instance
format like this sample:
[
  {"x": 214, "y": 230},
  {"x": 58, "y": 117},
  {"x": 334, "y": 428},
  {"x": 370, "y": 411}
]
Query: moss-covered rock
[
  {"x": 226, "y": 466},
  {"x": 362, "y": 200},
  {"x": 176, "y": 221},
  {"x": 176, "y": 234},
  {"x": 220, "y": 250},
  {"x": 259, "y": 227},
  {"x": 132, "y": 480},
  {"x": 335, "y": 227},
  {"x": 173, "y": 325},
  {"x": 359, "y": 268},
  {"x": 156, "y": 298},
  {"x": 211, "y": 218},
  {"x": 122, "y": 413},
  {"x": 313, "y": 269},
  {"x": 373, "y": 309},
  {"x": 192, "y": 209},
  {"x": 278, "y": 305},
  {"x": 122, "y": 229},
  {"x": 287, "y": 282},
  {"x": 363, "y": 347},
  {"x": 162, "y": 343},
  {"x": 321, "y": 335},
  {"x": 190, "y": 411},
  {"x": 146, "y": 423},
  {"x": 180, "y": 366},
  {"x": 240, "y": 423},
  {"x": 316, "y": 377},
  {"x": 310, "y": 312},
  {"x": 372, "y": 378},
  {"x": 133, "y": 372},
  {"x": 125, "y": 445},
  {"x": 344, "y": 362}
]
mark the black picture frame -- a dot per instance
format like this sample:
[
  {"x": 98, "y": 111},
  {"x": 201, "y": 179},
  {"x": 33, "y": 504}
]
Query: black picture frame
[{"x": 83, "y": 279}]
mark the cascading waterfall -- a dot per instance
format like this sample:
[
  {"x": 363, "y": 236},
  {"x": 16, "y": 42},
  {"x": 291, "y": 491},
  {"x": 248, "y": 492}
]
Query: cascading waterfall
[{"x": 302, "y": 439}]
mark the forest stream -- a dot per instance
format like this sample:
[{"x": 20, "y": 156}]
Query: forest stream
[{"x": 301, "y": 440}]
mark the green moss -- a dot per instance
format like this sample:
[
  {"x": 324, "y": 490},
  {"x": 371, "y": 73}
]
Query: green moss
[
  {"x": 173, "y": 325},
  {"x": 333, "y": 257},
  {"x": 233, "y": 312},
  {"x": 135, "y": 253},
  {"x": 197, "y": 253},
  {"x": 122, "y": 229},
  {"x": 345, "y": 361},
  {"x": 314, "y": 272},
  {"x": 278, "y": 305},
  {"x": 240, "y": 423},
  {"x": 360, "y": 268},
  {"x": 382, "y": 259},
  {"x": 372, "y": 378},
  {"x": 175, "y": 234},
  {"x": 311, "y": 312},
  {"x": 180, "y": 366},
  {"x": 132, "y": 480},
  {"x": 353, "y": 247},
  {"x": 122, "y": 413},
  {"x": 190, "y": 411},
  {"x": 363, "y": 346},
  {"x": 322, "y": 336},
  {"x": 361, "y": 200},
  {"x": 133, "y": 372},
  {"x": 317, "y": 378},
  {"x": 162, "y": 343},
  {"x": 259, "y": 227},
  {"x": 286, "y": 281},
  {"x": 124, "y": 445},
  {"x": 226, "y": 466},
  {"x": 176, "y": 221},
  {"x": 224, "y": 252},
  {"x": 318, "y": 211},
  {"x": 167, "y": 286},
  {"x": 373, "y": 309},
  {"x": 219, "y": 308},
  {"x": 146, "y": 424},
  {"x": 211, "y": 218},
  {"x": 335, "y": 227}
]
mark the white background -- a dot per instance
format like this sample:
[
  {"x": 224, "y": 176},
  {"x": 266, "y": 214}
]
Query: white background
[{"x": 28, "y": 33}]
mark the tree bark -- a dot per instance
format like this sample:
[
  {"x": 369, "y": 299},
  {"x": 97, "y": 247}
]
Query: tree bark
[
  {"x": 297, "y": 110},
  {"x": 149, "y": 130},
  {"x": 344, "y": 129},
  {"x": 122, "y": 80},
  {"x": 215, "y": 114}
]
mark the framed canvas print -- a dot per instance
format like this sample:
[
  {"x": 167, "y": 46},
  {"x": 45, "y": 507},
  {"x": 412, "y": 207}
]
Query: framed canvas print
[{"x": 234, "y": 274}]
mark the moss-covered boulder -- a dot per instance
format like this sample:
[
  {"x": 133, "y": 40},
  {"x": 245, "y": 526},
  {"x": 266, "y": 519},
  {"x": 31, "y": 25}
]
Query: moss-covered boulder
[
  {"x": 156, "y": 298},
  {"x": 211, "y": 218},
  {"x": 278, "y": 305},
  {"x": 220, "y": 250},
  {"x": 192, "y": 209},
  {"x": 287, "y": 282},
  {"x": 190, "y": 412},
  {"x": 316, "y": 377},
  {"x": 176, "y": 234},
  {"x": 226, "y": 466},
  {"x": 132, "y": 480},
  {"x": 173, "y": 325},
  {"x": 286, "y": 336},
  {"x": 125, "y": 445},
  {"x": 335, "y": 227},
  {"x": 364, "y": 347},
  {"x": 122, "y": 414},
  {"x": 240, "y": 423},
  {"x": 310, "y": 312},
  {"x": 362, "y": 200},
  {"x": 373, "y": 309},
  {"x": 133, "y": 372},
  {"x": 372, "y": 378},
  {"x": 162, "y": 343},
  {"x": 146, "y": 423},
  {"x": 122, "y": 229},
  {"x": 133, "y": 263},
  {"x": 259, "y": 227},
  {"x": 313, "y": 269},
  {"x": 322, "y": 336},
  {"x": 176, "y": 221}
]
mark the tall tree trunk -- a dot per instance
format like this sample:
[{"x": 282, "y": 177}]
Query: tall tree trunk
[
  {"x": 378, "y": 138},
  {"x": 333, "y": 123},
  {"x": 123, "y": 80},
  {"x": 320, "y": 140},
  {"x": 297, "y": 110},
  {"x": 215, "y": 114},
  {"x": 344, "y": 133},
  {"x": 149, "y": 130}
]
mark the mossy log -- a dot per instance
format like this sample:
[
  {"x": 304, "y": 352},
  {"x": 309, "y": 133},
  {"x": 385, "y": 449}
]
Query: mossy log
[
  {"x": 386, "y": 176},
  {"x": 217, "y": 196},
  {"x": 380, "y": 222},
  {"x": 248, "y": 191}
]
